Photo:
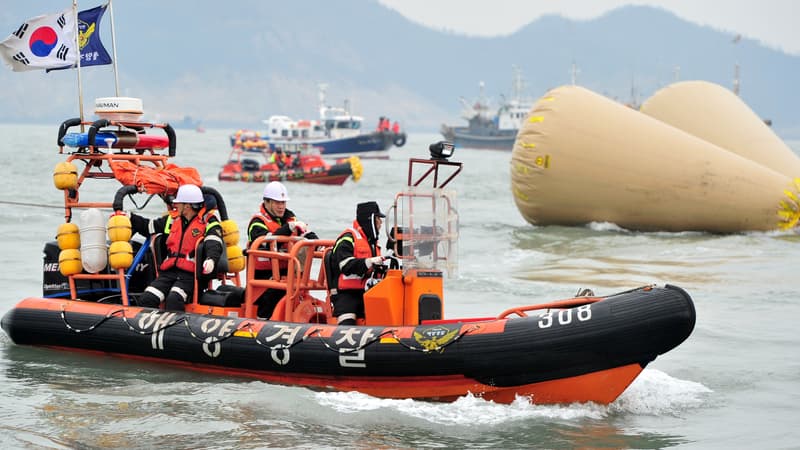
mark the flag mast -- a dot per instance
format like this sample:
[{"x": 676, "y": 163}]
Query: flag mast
[
  {"x": 114, "y": 47},
  {"x": 78, "y": 62}
]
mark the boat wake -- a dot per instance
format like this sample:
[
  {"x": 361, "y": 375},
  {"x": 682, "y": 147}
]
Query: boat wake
[{"x": 652, "y": 393}]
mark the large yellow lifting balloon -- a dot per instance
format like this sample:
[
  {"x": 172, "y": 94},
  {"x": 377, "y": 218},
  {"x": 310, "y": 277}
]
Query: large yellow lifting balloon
[
  {"x": 717, "y": 115},
  {"x": 581, "y": 157}
]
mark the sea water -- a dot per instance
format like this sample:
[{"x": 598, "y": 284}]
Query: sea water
[{"x": 735, "y": 383}]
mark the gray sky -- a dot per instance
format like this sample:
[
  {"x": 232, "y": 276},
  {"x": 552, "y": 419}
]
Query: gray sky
[{"x": 773, "y": 22}]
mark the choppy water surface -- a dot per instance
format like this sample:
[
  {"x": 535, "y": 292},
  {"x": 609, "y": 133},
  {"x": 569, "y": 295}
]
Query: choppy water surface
[{"x": 735, "y": 383}]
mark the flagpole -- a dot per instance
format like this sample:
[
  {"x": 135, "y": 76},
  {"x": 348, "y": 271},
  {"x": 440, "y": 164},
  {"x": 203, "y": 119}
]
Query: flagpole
[
  {"x": 78, "y": 62},
  {"x": 113, "y": 47}
]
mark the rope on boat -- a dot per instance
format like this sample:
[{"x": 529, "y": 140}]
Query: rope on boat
[
  {"x": 248, "y": 327},
  {"x": 37, "y": 205},
  {"x": 215, "y": 340},
  {"x": 91, "y": 327},
  {"x": 346, "y": 350},
  {"x": 148, "y": 332},
  {"x": 434, "y": 348}
]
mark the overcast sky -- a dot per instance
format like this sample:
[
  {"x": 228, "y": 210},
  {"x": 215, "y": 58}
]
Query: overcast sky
[{"x": 773, "y": 22}]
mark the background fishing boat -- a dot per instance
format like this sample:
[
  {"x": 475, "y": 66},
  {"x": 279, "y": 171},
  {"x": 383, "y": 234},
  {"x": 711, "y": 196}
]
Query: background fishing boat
[{"x": 490, "y": 128}]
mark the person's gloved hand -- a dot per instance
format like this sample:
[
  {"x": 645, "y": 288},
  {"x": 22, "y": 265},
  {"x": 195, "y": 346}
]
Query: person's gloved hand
[
  {"x": 375, "y": 260},
  {"x": 208, "y": 266},
  {"x": 297, "y": 227},
  {"x": 310, "y": 235}
]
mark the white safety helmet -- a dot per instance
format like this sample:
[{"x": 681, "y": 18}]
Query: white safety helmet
[
  {"x": 189, "y": 193},
  {"x": 276, "y": 191}
]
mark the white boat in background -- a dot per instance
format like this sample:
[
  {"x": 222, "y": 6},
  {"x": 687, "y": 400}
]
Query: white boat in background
[{"x": 336, "y": 131}]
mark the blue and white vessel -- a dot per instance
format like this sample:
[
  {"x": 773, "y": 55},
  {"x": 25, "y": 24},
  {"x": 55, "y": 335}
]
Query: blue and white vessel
[{"x": 336, "y": 132}]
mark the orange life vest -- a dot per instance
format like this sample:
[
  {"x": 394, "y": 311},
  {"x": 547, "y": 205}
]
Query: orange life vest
[
  {"x": 361, "y": 249},
  {"x": 272, "y": 225},
  {"x": 181, "y": 243}
]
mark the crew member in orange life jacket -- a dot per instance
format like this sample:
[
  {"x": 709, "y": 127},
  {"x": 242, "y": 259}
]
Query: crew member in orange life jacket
[
  {"x": 187, "y": 223},
  {"x": 273, "y": 219},
  {"x": 356, "y": 254},
  {"x": 279, "y": 158}
]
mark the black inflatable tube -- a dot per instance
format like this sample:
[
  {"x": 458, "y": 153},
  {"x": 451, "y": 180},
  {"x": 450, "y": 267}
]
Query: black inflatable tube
[
  {"x": 65, "y": 125},
  {"x": 96, "y": 125},
  {"x": 223, "y": 210},
  {"x": 120, "y": 196},
  {"x": 172, "y": 138}
]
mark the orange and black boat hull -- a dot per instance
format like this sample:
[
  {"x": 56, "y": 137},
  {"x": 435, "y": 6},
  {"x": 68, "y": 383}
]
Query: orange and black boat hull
[{"x": 589, "y": 353}]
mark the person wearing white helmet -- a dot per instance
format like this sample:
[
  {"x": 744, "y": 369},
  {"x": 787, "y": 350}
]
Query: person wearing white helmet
[
  {"x": 188, "y": 222},
  {"x": 274, "y": 219}
]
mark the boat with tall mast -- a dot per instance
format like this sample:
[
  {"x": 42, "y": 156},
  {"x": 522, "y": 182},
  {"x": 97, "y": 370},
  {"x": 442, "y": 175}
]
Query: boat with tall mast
[{"x": 491, "y": 130}]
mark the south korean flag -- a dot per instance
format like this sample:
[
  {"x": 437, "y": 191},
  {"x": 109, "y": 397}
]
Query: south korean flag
[{"x": 43, "y": 42}]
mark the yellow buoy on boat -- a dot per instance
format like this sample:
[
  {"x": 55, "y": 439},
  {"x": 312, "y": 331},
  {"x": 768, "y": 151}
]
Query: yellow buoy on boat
[
  {"x": 119, "y": 228},
  {"x": 120, "y": 255},
  {"x": 68, "y": 236},
  {"x": 236, "y": 259},
  {"x": 581, "y": 157},
  {"x": 65, "y": 175},
  {"x": 230, "y": 232},
  {"x": 69, "y": 262}
]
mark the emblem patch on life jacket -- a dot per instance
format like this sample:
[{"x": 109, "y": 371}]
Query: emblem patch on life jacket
[
  {"x": 435, "y": 338},
  {"x": 195, "y": 232}
]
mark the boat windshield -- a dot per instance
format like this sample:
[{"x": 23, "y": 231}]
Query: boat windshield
[{"x": 428, "y": 222}]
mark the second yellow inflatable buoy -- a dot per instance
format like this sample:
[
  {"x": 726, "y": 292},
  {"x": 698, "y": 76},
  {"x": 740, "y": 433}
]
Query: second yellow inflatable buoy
[
  {"x": 230, "y": 232},
  {"x": 236, "y": 259},
  {"x": 68, "y": 236},
  {"x": 65, "y": 175},
  {"x": 119, "y": 228},
  {"x": 120, "y": 255},
  {"x": 69, "y": 262}
]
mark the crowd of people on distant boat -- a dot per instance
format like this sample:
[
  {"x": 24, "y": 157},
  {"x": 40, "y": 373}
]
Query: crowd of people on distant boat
[
  {"x": 356, "y": 255},
  {"x": 385, "y": 125}
]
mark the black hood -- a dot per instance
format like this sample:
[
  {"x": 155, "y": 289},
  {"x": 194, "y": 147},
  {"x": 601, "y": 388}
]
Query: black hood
[{"x": 365, "y": 216}]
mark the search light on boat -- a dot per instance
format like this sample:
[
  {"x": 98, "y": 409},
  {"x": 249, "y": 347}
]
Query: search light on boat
[{"x": 441, "y": 150}]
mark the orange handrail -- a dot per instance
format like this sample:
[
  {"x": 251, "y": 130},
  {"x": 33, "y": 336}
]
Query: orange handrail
[{"x": 568, "y": 303}]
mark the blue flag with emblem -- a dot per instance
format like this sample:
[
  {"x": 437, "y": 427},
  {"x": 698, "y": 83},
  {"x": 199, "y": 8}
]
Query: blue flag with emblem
[{"x": 91, "y": 50}]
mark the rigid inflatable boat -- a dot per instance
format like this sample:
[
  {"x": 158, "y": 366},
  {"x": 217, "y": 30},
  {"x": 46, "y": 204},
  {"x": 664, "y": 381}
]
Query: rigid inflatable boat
[
  {"x": 295, "y": 162},
  {"x": 581, "y": 349}
]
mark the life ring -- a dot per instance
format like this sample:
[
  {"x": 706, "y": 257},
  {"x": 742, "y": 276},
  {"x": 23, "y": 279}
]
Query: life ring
[{"x": 400, "y": 140}]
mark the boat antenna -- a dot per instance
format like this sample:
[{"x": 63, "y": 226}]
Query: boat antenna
[
  {"x": 517, "y": 85},
  {"x": 322, "y": 88},
  {"x": 574, "y": 72},
  {"x": 114, "y": 48}
]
